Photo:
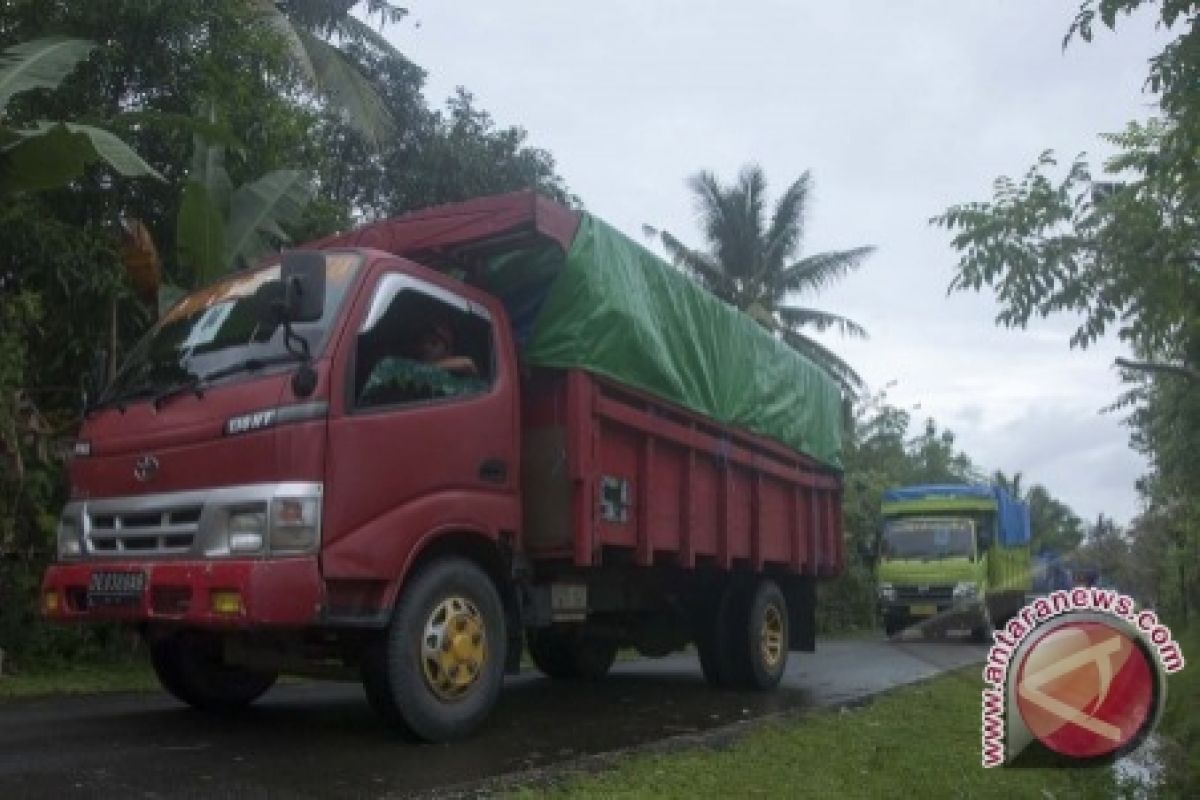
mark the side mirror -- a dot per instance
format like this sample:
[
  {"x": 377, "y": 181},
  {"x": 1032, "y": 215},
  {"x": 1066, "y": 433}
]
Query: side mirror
[{"x": 303, "y": 274}]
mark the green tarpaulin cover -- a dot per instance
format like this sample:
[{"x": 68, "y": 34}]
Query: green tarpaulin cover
[{"x": 617, "y": 310}]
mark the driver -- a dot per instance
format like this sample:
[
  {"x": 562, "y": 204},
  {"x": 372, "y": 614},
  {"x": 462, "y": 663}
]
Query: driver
[{"x": 435, "y": 346}]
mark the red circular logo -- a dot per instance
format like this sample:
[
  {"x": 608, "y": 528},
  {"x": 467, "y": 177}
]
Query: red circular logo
[{"x": 1086, "y": 689}]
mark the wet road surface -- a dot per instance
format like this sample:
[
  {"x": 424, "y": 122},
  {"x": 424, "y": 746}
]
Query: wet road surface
[{"x": 321, "y": 739}]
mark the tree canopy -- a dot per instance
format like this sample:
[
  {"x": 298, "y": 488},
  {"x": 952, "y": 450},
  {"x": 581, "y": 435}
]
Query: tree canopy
[{"x": 1120, "y": 248}]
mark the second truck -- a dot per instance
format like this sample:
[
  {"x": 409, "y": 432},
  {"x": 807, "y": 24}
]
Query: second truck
[{"x": 952, "y": 556}]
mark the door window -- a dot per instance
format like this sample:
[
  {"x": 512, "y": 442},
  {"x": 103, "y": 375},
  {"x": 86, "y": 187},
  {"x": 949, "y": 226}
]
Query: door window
[{"x": 421, "y": 343}]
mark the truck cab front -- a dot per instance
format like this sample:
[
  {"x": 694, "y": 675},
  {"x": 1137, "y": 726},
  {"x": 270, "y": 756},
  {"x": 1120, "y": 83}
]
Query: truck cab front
[
  {"x": 197, "y": 484},
  {"x": 930, "y": 567}
]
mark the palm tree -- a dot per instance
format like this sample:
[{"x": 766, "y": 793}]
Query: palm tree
[
  {"x": 327, "y": 42},
  {"x": 754, "y": 264}
]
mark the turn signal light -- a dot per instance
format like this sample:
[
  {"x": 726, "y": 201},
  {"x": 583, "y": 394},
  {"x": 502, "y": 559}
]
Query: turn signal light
[
  {"x": 226, "y": 602},
  {"x": 50, "y": 602}
]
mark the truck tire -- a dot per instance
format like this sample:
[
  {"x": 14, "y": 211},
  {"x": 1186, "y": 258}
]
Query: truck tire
[
  {"x": 982, "y": 632},
  {"x": 569, "y": 655},
  {"x": 759, "y": 650},
  {"x": 435, "y": 673},
  {"x": 894, "y": 625},
  {"x": 190, "y": 666}
]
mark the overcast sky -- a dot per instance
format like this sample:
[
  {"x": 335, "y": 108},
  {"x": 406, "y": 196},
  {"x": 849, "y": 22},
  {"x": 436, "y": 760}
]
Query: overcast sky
[{"x": 899, "y": 108}]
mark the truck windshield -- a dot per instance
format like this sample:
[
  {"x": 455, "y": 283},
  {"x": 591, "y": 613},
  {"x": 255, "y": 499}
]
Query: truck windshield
[
  {"x": 220, "y": 326},
  {"x": 928, "y": 539}
]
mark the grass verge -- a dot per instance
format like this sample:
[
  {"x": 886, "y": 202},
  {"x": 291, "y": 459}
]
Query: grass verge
[
  {"x": 1180, "y": 723},
  {"x": 921, "y": 741},
  {"x": 118, "y": 676}
]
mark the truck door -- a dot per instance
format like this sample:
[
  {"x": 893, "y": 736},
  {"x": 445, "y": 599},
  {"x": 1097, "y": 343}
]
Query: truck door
[{"x": 423, "y": 437}]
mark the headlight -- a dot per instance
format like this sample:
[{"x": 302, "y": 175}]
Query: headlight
[
  {"x": 965, "y": 590},
  {"x": 247, "y": 531},
  {"x": 887, "y": 592},
  {"x": 69, "y": 545},
  {"x": 295, "y": 524}
]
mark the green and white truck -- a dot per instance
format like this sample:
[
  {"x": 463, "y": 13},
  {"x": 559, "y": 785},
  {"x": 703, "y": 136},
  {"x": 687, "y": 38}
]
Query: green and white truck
[{"x": 952, "y": 556}]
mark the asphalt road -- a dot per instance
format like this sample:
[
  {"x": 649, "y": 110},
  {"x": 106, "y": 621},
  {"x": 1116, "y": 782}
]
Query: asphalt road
[{"x": 321, "y": 739}]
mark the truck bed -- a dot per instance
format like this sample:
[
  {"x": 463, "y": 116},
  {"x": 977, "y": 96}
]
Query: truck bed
[{"x": 612, "y": 475}]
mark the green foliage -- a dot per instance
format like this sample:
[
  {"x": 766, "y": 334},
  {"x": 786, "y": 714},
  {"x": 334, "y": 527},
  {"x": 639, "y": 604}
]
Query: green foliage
[
  {"x": 54, "y": 154},
  {"x": 51, "y": 154},
  {"x": 200, "y": 233},
  {"x": 58, "y": 286},
  {"x": 1180, "y": 721},
  {"x": 258, "y": 210},
  {"x": 1120, "y": 249},
  {"x": 752, "y": 263},
  {"x": 41, "y": 64},
  {"x": 306, "y": 28},
  {"x": 220, "y": 228}
]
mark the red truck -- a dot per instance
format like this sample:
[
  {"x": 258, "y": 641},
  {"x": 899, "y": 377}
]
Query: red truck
[{"x": 398, "y": 455}]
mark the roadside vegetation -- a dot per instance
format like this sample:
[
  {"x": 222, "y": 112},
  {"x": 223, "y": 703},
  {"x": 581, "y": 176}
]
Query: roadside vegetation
[
  {"x": 1181, "y": 724},
  {"x": 131, "y": 674},
  {"x": 856, "y": 752}
]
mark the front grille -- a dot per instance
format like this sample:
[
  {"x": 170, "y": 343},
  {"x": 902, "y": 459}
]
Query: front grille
[
  {"x": 923, "y": 592},
  {"x": 171, "y": 531}
]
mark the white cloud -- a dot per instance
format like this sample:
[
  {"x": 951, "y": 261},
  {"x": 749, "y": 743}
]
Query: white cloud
[{"x": 899, "y": 109}]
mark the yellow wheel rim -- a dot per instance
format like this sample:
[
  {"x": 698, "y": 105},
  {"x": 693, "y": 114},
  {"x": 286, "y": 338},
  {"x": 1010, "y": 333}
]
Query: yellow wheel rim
[
  {"x": 771, "y": 638},
  {"x": 453, "y": 648}
]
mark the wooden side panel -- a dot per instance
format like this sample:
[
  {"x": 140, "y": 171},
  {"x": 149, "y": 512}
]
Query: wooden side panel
[
  {"x": 706, "y": 511},
  {"x": 619, "y": 458},
  {"x": 665, "y": 481},
  {"x": 741, "y": 488},
  {"x": 650, "y": 480},
  {"x": 774, "y": 514}
]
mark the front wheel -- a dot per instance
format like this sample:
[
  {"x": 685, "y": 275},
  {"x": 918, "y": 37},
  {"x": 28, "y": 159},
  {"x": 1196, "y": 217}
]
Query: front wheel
[
  {"x": 436, "y": 672},
  {"x": 191, "y": 666}
]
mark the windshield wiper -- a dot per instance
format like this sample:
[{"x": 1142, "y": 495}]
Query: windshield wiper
[
  {"x": 121, "y": 401},
  {"x": 198, "y": 383}
]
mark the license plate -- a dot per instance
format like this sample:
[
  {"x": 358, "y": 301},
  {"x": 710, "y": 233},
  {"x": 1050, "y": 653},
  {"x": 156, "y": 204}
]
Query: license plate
[
  {"x": 568, "y": 601},
  {"x": 923, "y": 610},
  {"x": 116, "y": 588}
]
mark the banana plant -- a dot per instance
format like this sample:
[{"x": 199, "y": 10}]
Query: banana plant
[
  {"x": 49, "y": 154},
  {"x": 220, "y": 228}
]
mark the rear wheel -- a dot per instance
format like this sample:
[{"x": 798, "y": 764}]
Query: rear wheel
[
  {"x": 567, "y": 655},
  {"x": 744, "y": 641},
  {"x": 436, "y": 672},
  {"x": 760, "y": 653},
  {"x": 191, "y": 666}
]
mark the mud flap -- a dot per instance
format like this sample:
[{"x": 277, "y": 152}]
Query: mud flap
[{"x": 800, "y": 592}]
